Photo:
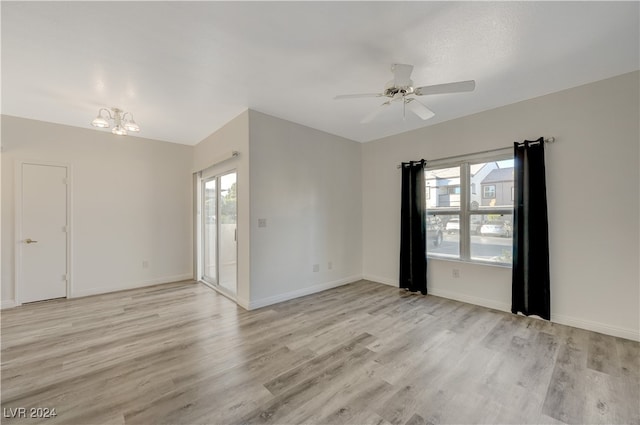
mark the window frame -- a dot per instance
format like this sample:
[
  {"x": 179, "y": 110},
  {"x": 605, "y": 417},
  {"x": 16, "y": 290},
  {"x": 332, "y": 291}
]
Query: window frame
[
  {"x": 484, "y": 191},
  {"x": 464, "y": 211}
]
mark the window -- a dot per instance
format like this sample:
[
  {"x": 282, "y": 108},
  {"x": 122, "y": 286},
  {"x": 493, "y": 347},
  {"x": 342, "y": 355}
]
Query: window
[
  {"x": 465, "y": 225},
  {"x": 489, "y": 192}
]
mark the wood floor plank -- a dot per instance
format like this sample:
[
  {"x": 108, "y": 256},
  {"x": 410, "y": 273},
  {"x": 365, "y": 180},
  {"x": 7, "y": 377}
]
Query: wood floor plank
[
  {"x": 601, "y": 400},
  {"x": 356, "y": 401},
  {"x": 603, "y": 354},
  {"x": 567, "y": 390},
  {"x": 311, "y": 391},
  {"x": 361, "y": 353},
  {"x": 359, "y": 387},
  {"x": 317, "y": 365},
  {"x": 629, "y": 357},
  {"x": 416, "y": 420}
]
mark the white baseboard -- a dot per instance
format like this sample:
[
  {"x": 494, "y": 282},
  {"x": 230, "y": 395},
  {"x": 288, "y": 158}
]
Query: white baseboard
[
  {"x": 378, "y": 279},
  {"x": 555, "y": 318},
  {"x": 252, "y": 305},
  {"x": 447, "y": 294},
  {"x": 150, "y": 282},
  {"x": 561, "y": 319},
  {"x": 602, "y": 328},
  {"x": 243, "y": 303},
  {"x": 7, "y": 304},
  {"x": 483, "y": 302}
]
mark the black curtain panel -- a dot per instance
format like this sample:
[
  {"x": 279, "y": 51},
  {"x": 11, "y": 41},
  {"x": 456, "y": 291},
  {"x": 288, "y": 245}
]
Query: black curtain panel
[
  {"x": 530, "y": 282},
  {"x": 413, "y": 259}
]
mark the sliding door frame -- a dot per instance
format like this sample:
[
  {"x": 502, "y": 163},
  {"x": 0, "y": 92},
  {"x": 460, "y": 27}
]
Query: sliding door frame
[{"x": 199, "y": 227}]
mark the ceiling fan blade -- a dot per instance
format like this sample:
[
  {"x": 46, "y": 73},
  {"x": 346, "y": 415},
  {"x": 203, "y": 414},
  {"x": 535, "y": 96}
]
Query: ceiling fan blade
[
  {"x": 457, "y": 87},
  {"x": 401, "y": 74},
  {"x": 395, "y": 97},
  {"x": 375, "y": 113},
  {"x": 356, "y": 96},
  {"x": 419, "y": 109}
]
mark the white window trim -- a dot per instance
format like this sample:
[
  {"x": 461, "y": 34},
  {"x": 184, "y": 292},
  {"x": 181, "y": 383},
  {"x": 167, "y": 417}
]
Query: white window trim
[{"x": 464, "y": 212}]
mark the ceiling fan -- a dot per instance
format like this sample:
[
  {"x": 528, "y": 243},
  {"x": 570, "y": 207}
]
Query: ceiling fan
[{"x": 401, "y": 89}]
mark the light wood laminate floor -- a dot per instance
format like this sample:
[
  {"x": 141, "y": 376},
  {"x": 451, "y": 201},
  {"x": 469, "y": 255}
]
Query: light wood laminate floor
[{"x": 363, "y": 353}]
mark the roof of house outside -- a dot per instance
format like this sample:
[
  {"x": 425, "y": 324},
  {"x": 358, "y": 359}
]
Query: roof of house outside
[{"x": 499, "y": 175}]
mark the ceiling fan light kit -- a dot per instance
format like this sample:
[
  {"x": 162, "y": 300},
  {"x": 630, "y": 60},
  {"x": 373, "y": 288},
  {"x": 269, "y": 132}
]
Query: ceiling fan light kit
[
  {"x": 401, "y": 88},
  {"x": 123, "y": 121}
]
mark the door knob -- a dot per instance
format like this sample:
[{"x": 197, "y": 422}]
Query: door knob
[{"x": 29, "y": 240}]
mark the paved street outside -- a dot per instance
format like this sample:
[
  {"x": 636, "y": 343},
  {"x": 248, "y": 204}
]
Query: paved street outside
[{"x": 488, "y": 248}]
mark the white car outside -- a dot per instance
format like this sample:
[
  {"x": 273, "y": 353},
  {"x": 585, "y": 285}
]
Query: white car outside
[{"x": 453, "y": 225}]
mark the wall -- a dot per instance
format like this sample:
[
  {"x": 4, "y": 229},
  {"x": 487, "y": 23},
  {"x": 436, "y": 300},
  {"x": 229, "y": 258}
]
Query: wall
[
  {"x": 131, "y": 202},
  {"x": 306, "y": 184},
  {"x": 593, "y": 197},
  {"x": 10, "y": 299},
  {"x": 234, "y": 136}
]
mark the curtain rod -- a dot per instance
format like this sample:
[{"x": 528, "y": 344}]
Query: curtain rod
[{"x": 546, "y": 140}]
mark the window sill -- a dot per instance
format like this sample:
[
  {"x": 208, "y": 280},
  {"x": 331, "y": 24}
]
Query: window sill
[{"x": 473, "y": 262}]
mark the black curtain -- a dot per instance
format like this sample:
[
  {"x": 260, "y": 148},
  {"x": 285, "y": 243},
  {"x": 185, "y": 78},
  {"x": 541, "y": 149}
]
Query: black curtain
[
  {"x": 530, "y": 282},
  {"x": 413, "y": 259}
]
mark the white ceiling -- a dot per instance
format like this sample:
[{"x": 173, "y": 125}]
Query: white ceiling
[{"x": 186, "y": 69}]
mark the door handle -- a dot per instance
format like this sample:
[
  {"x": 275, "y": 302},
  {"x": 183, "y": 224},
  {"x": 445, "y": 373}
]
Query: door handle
[{"x": 29, "y": 240}]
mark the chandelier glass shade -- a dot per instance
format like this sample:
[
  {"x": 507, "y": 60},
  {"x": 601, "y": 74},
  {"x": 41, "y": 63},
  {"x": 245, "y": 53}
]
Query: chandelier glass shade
[{"x": 122, "y": 121}]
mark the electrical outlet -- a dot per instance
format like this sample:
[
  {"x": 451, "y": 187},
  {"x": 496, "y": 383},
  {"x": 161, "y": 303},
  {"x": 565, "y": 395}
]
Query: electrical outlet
[
  {"x": 145, "y": 264},
  {"x": 456, "y": 273},
  {"x": 262, "y": 222},
  {"x": 316, "y": 268},
  {"x": 330, "y": 265}
]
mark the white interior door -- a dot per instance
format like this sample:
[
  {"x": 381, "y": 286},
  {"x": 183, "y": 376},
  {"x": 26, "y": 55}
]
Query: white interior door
[{"x": 43, "y": 233}]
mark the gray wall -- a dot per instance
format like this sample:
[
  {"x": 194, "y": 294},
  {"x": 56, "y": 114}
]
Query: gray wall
[
  {"x": 131, "y": 202},
  {"x": 307, "y": 185},
  {"x": 234, "y": 136},
  {"x": 593, "y": 192}
]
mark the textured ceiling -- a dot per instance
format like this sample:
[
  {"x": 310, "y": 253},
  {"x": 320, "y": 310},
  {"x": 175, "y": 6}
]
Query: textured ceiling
[{"x": 186, "y": 68}]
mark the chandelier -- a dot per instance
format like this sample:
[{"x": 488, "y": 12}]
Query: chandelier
[{"x": 123, "y": 121}]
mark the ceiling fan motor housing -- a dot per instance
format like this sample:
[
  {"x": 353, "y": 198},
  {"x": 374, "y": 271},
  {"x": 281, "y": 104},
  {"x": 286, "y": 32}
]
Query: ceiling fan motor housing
[{"x": 390, "y": 89}]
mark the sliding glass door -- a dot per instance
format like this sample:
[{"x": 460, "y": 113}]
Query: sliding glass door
[
  {"x": 219, "y": 232},
  {"x": 228, "y": 235},
  {"x": 210, "y": 230}
]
